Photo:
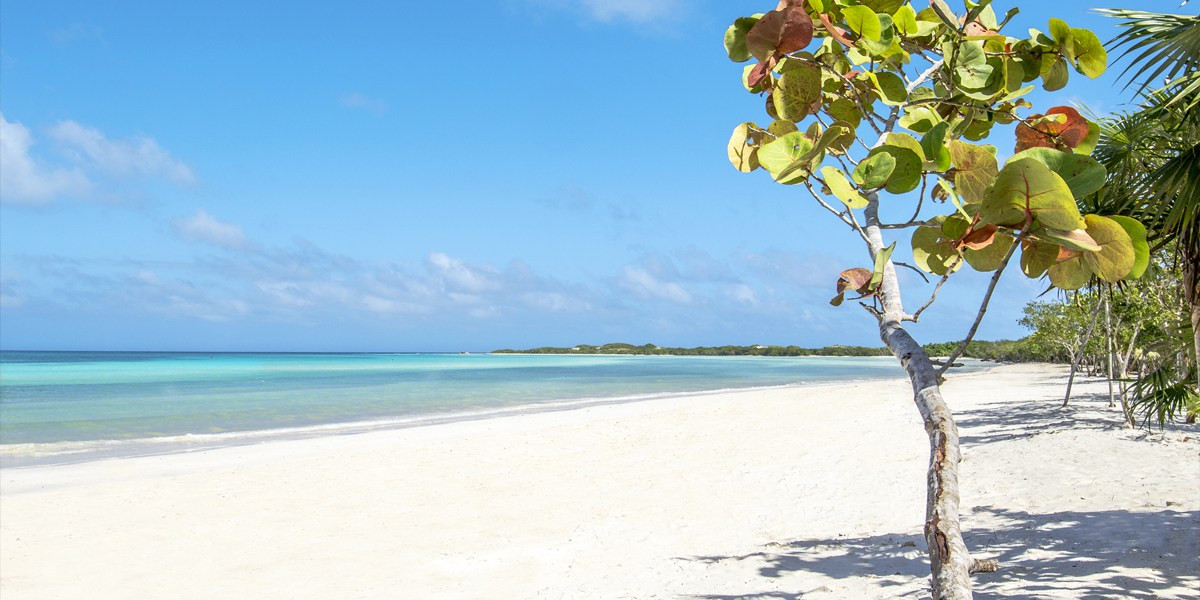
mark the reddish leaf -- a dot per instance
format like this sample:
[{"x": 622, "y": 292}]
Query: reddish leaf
[
  {"x": 1051, "y": 134},
  {"x": 757, "y": 74},
  {"x": 781, "y": 31},
  {"x": 835, "y": 32},
  {"x": 856, "y": 279},
  {"x": 1065, "y": 253},
  {"x": 978, "y": 239}
]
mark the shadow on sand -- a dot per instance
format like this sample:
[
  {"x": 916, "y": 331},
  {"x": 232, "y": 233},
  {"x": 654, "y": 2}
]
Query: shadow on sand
[
  {"x": 1052, "y": 555},
  {"x": 1055, "y": 555}
]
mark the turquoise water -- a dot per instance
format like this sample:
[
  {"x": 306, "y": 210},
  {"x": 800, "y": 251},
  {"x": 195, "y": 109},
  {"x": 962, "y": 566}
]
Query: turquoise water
[{"x": 65, "y": 406}]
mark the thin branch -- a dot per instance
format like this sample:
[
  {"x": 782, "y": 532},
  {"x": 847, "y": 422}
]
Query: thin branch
[
  {"x": 852, "y": 224},
  {"x": 962, "y": 346},
  {"x": 916, "y": 317},
  {"x": 919, "y": 272}
]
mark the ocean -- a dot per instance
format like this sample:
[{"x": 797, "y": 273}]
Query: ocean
[{"x": 60, "y": 407}]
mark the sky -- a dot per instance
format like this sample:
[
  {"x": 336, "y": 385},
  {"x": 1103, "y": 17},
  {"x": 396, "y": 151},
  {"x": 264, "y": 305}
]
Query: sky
[{"x": 403, "y": 176}]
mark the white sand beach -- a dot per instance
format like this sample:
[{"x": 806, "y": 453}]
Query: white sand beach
[{"x": 813, "y": 492}]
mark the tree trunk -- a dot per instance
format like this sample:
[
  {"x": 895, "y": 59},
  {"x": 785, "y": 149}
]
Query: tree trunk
[
  {"x": 1191, "y": 416},
  {"x": 949, "y": 560},
  {"x": 1082, "y": 351}
]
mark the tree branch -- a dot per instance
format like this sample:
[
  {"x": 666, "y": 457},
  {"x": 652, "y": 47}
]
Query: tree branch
[{"x": 962, "y": 346}]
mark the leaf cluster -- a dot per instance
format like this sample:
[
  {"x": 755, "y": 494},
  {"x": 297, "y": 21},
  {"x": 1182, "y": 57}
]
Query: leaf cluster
[{"x": 833, "y": 72}]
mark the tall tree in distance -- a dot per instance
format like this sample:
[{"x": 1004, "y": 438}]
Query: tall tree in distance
[{"x": 874, "y": 98}]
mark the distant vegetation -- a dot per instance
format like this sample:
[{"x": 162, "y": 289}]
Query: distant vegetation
[{"x": 1005, "y": 350}]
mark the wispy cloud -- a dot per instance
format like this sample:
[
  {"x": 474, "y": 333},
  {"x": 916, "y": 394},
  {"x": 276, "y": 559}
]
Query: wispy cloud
[
  {"x": 83, "y": 162},
  {"x": 203, "y": 227},
  {"x": 645, "y": 284},
  {"x": 360, "y": 101},
  {"x": 25, "y": 180},
  {"x": 138, "y": 155}
]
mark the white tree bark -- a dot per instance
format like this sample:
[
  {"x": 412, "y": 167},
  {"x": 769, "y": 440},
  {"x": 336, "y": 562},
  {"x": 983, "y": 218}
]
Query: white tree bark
[{"x": 949, "y": 559}]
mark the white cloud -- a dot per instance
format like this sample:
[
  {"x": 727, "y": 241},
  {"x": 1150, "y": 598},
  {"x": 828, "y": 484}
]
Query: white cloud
[
  {"x": 364, "y": 102},
  {"x": 203, "y": 227},
  {"x": 461, "y": 276},
  {"x": 642, "y": 283},
  {"x": 22, "y": 179},
  {"x": 139, "y": 155}
]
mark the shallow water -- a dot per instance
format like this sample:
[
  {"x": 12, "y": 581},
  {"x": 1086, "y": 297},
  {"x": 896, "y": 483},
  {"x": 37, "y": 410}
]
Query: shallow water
[{"x": 73, "y": 404}]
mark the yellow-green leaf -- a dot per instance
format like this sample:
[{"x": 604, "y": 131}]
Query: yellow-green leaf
[
  {"x": 841, "y": 188},
  {"x": 1141, "y": 249},
  {"x": 1116, "y": 256},
  {"x": 975, "y": 169},
  {"x": 863, "y": 21},
  {"x": 743, "y": 147}
]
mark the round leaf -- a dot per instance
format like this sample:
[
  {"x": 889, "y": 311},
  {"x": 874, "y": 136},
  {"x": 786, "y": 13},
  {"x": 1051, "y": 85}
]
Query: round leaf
[
  {"x": 989, "y": 257},
  {"x": 1141, "y": 249},
  {"x": 1037, "y": 257},
  {"x": 735, "y": 38},
  {"x": 1116, "y": 256},
  {"x": 1090, "y": 56},
  {"x": 1070, "y": 274},
  {"x": 1027, "y": 184},
  {"x": 906, "y": 175},
  {"x": 798, "y": 91},
  {"x": 890, "y": 86},
  {"x": 743, "y": 147},
  {"x": 863, "y": 21},
  {"x": 975, "y": 169},
  {"x": 1083, "y": 174},
  {"x": 778, "y": 156},
  {"x": 873, "y": 172}
]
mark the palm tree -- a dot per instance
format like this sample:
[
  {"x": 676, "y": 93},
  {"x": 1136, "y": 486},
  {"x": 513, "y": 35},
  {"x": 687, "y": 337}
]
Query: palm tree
[{"x": 1153, "y": 153}]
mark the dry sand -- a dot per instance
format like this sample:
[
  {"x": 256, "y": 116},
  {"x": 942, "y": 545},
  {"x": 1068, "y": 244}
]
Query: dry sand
[{"x": 813, "y": 492}]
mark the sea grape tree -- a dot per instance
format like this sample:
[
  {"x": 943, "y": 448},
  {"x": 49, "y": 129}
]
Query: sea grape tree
[{"x": 870, "y": 102}]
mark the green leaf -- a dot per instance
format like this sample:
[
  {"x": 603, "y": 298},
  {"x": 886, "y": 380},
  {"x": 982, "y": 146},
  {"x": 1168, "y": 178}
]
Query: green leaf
[
  {"x": 797, "y": 91},
  {"x": 934, "y": 145},
  {"x": 1090, "y": 140},
  {"x": 743, "y": 147},
  {"x": 883, "y": 6},
  {"x": 989, "y": 257},
  {"x": 1083, "y": 174},
  {"x": 905, "y": 21},
  {"x": 909, "y": 156},
  {"x": 1027, "y": 184},
  {"x": 1089, "y": 55},
  {"x": 890, "y": 86},
  {"x": 1116, "y": 257},
  {"x": 1070, "y": 274},
  {"x": 881, "y": 259},
  {"x": 873, "y": 171},
  {"x": 735, "y": 38},
  {"x": 932, "y": 253},
  {"x": 1060, "y": 31},
  {"x": 919, "y": 118},
  {"x": 1141, "y": 249},
  {"x": 841, "y": 188},
  {"x": 777, "y": 155},
  {"x": 780, "y": 127},
  {"x": 863, "y": 21},
  {"x": 1054, "y": 73},
  {"x": 1036, "y": 258},
  {"x": 975, "y": 169}
]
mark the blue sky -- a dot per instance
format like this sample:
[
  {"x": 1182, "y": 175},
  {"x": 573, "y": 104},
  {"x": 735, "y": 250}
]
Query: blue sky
[{"x": 399, "y": 176}]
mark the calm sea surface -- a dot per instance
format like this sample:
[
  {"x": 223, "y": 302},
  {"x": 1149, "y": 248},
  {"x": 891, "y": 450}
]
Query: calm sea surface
[{"x": 70, "y": 406}]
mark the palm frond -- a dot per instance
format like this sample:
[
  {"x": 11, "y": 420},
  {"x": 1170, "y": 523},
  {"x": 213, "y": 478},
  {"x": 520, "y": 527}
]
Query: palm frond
[{"x": 1160, "y": 47}]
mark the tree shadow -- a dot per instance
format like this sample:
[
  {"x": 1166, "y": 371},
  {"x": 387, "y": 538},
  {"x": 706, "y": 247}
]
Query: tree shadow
[
  {"x": 1054, "y": 555},
  {"x": 1003, "y": 421}
]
